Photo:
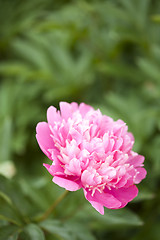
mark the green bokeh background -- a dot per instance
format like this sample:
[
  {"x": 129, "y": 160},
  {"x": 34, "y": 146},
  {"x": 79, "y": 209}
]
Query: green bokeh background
[{"x": 105, "y": 53}]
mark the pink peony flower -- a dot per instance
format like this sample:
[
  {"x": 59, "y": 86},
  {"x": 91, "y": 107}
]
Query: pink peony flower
[{"x": 91, "y": 151}]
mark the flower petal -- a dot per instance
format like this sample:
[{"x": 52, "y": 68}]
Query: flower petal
[
  {"x": 52, "y": 115},
  {"x": 54, "y": 169},
  {"x": 99, "y": 207},
  {"x": 43, "y": 138},
  {"x": 141, "y": 175},
  {"x": 66, "y": 110},
  {"x": 105, "y": 199},
  {"x": 84, "y": 108},
  {"x": 66, "y": 183},
  {"x": 136, "y": 160},
  {"x": 125, "y": 195}
]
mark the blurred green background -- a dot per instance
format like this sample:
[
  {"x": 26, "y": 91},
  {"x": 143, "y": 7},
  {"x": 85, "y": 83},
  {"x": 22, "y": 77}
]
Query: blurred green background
[{"x": 105, "y": 53}]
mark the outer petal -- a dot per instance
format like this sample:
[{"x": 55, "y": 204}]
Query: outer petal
[
  {"x": 74, "y": 106},
  {"x": 52, "y": 115},
  {"x": 141, "y": 175},
  {"x": 136, "y": 160},
  {"x": 99, "y": 207},
  {"x": 66, "y": 110},
  {"x": 54, "y": 169},
  {"x": 66, "y": 183},
  {"x": 104, "y": 199},
  {"x": 125, "y": 195},
  {"x": 44, "y": 139},
  {"x": 131, "y": 136},
  {"x": 84, "y": 108}
]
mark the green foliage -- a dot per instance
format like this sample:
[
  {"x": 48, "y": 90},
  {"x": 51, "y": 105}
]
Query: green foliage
[{"x": 105, "y": 53}]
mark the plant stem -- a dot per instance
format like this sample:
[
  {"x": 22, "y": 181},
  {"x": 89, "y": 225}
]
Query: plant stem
[{"x": 52, "y": 207}]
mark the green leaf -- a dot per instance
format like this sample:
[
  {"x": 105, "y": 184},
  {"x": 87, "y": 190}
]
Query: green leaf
[
  {"x": 144, "y": 195},
  {"x": 32, "y": 52},
  {"x": 8, "y": 211},
  {"x": 14, "y": 192},
  {"x": 57, "y": 228},
  {"x": 32, "y": 232},
  {"x": 150, "y": 68},
  {"x": 122, "y": 217},
  {"x": 110, "y": 219},
  {"x": 6, "y": 198},
  {"x": 13, "y": 69},
  {"x": 68, "y": 230},
  {"x": 9, "y": 232},
  {"x": 5, "y": 142},
  {"x": 80, "y": 230}
]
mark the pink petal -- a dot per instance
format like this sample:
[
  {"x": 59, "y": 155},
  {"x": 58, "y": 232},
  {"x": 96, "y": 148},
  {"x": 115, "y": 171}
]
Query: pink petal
[
  {"x": 74, "y": 167},
  {"x": 141, "y": 175},
  {"x": 99, "y": 207},
  {"x": 76, "y": 135},
  {"x": 66, "y": 110},
  {"x": 84, "y": 108},
  {"x": 127, "y": 144},
  {"x": 66, "y": 183},
  {"x": 74, "y": 106},
  {"x": 54, "y": 169},
  {"x": 118, "y": 143},
  {"x": 52, "y": 115},
  {"x": 122, "y": 182},
  {"x": 131, "y": 136},
  {"x": 105, "y": 199},
  {"x": 87, "y": 178},
  {"x": 137, "y": 160},
  {"x": 44, "y": 139},
  {"x": 125, "y": 195}
]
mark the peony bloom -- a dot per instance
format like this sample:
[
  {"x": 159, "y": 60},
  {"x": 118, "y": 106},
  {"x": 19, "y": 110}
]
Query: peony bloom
[{"x": 91, "y": 151}]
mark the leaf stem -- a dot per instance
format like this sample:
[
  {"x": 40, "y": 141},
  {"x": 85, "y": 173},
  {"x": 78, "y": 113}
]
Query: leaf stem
[{"x": 52, "y": 207}]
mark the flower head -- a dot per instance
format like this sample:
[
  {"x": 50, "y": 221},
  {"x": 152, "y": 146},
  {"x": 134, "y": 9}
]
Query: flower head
[{"x": 91, "y": 151}]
